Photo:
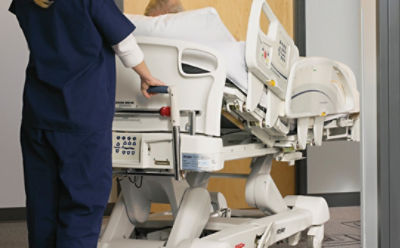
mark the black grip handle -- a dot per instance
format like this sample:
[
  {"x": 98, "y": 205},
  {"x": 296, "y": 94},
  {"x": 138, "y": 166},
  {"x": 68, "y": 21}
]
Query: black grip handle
[{"x": 158, "y": 89}]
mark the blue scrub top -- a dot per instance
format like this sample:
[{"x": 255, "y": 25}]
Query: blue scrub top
[{"x": 70, "y": 78}]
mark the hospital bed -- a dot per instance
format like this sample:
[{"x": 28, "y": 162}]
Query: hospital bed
[{"x": 166, "y": 149}]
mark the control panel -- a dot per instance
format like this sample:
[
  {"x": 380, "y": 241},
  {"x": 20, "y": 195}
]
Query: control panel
[
  {"x": 126, "y": 147},
  {"x": 265, "y": 54}
]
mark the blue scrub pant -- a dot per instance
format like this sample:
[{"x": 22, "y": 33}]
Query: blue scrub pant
[{"x": 67, "y": 182}]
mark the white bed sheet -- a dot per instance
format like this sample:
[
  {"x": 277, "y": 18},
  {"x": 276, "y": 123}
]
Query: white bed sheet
[{"x": 234, "y": 55}]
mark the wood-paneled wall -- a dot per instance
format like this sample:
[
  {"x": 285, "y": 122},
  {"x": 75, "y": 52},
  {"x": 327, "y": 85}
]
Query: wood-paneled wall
[{"x": 235, "y": 14}]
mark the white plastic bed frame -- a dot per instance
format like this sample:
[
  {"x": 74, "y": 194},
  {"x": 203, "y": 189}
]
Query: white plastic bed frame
[{"x": 165, "y": 149}]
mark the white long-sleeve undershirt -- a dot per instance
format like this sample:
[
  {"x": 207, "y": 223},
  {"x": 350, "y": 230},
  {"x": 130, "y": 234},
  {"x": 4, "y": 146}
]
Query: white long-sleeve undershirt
[{"x": 129, "y": 52}]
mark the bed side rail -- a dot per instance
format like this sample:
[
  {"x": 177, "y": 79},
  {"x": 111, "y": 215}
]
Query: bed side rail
[
  {"x": 270, "y": 55},
  {"x": 198, "y": 93}
]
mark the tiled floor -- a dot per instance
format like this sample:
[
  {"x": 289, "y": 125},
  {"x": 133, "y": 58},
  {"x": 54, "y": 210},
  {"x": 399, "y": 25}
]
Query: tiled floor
[{"x": 343, "y": 230}]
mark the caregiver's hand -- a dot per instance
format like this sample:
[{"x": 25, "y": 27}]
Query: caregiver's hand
[
  {"x": 147, "y": 82},
  {"x": 147, "y": 79}
]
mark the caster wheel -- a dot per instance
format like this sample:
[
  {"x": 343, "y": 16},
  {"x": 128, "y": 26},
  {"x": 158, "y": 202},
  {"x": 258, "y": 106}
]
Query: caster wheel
[
  {"x": 315, "y": 237},
  {"x": 313, "y": 242},
  {"x": 294, "y": 239}
]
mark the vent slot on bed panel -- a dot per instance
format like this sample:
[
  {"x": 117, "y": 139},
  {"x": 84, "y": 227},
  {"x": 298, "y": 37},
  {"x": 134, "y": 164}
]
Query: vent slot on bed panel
[
  {"x": 190, "y": 69},
  {"x": 196, "y": 58}
]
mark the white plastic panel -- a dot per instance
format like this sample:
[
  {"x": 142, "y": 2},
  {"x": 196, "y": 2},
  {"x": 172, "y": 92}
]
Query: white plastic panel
[
  {"x": 320, "y": 87},
  {"x": 201, "y": 153},
  {"x": 151, "y": 151},
  {"x": 154, "y": 151}
]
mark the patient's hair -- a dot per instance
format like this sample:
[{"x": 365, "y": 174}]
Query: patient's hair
[
  {"x": 160, "y": 7},
  {"x": 43, "y": 3}
]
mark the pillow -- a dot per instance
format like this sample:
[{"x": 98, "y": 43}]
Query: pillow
[{"x": 200, "y": 25}]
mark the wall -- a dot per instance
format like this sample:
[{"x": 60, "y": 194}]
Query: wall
[
  {"x": 369, "y": 194},
  {"x": 235, "y": 14},
  {"x": 333, "y": 30},
  {"x": 13, "y": 61}
]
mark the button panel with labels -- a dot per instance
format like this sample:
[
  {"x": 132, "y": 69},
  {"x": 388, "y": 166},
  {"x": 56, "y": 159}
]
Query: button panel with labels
[
  {"x": 126, "y": 147},
  {"x": 265, "y": 54}
]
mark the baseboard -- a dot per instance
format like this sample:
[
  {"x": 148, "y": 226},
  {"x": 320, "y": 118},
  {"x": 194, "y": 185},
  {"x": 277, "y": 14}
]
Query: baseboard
[
  {"x": 341, "y": 199},
  {"x": 19, "y": 214},
  {"x": 12, "y": 214}
]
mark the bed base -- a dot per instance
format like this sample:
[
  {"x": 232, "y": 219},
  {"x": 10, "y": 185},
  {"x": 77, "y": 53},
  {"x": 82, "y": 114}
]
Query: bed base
[{"x": 202, "y": 219}]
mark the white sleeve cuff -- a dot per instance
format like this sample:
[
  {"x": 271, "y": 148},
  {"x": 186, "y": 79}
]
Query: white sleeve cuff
[{"x": 129, "y": 52}]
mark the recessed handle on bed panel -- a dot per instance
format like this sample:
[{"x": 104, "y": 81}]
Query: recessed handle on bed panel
[
  {"x": 268, "y": 12},
  {"x": 205, "y": 50},
  {"x": 258, "y": 8}
]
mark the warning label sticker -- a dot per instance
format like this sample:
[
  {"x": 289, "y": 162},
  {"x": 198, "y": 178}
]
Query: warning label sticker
[{"x": 197, "y": 162}]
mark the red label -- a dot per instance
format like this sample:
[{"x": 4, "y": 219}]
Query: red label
[{"x": 241, "y": 245}]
